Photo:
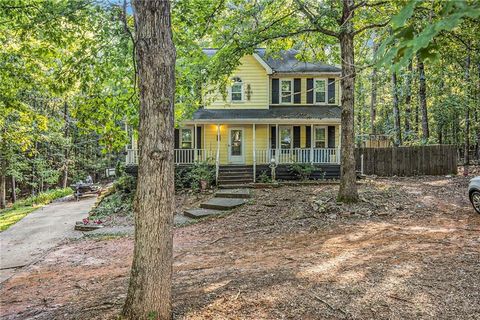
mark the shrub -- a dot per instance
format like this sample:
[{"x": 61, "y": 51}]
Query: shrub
[
  {"x": 201, "y": 171},
  {"x": 264, "y": 178},
  {"x": 303, "y": 170},
  {"x": 126, "y": 183}
]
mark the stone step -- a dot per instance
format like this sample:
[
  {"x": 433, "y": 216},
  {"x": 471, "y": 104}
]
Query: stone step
[
  {"x": 235, "y": 186},
  {"x": 235, "y": 177},
  {"x": 222, "y": 203},
  {"x": 198, "y": 213},
  {"x": 235, "y": 181},
  {"x": 233, "y": 193}
]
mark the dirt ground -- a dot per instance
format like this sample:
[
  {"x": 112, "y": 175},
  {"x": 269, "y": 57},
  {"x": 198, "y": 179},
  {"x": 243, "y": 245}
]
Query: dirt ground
[{"x": 409, "y": 250}]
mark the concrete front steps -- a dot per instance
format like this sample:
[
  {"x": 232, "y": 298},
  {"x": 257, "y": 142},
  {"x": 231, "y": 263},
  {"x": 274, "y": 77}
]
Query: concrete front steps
[{"x": 223, "y": 200}]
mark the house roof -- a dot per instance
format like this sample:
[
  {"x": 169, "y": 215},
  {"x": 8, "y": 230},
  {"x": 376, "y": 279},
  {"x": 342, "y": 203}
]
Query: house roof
[
  {"x": 275, "y": 112},
  {"x": 286, "y": 62}
]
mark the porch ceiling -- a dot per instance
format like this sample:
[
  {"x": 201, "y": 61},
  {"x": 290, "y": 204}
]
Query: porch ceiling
[{"x": 279, "y": 114}]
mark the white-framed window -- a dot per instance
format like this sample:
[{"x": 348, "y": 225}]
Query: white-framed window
[
  {"x": 237, "y": 90},
  {"x": 186, "y": 138},
  {"x": 286, "y": 137},
  {"x": 320, "y": 137},
  {"x": 286, "y": 91},
  {"x": 320, "y": 91}
]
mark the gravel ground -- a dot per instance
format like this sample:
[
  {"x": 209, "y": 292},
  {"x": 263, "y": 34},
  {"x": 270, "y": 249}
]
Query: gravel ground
[{"x": 410, "y": 249}]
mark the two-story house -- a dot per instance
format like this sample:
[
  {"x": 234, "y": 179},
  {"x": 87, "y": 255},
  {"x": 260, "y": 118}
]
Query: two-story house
[{"x": 277, "y": 109}]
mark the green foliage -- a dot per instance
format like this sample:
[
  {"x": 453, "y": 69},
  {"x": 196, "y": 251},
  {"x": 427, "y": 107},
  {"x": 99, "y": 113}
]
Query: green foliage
[
  {"x": 264, "y": 178},
  {"x": 302, "y": 170},
  {"x": 191, "y": 176},
  {"x": 126, "y": 184},
  {"x": 118, "y": 202},
  {"x": 11, "y": 216}
]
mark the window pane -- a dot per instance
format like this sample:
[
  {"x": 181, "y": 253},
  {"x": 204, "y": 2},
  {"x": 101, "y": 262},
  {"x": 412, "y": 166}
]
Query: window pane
[
  {"x": 286, "y": 91},
  {"x": 319, "y": 90},
  {"x": 186, "y": 145},
  {"x": 319, "y": 144},
  {"x": 320, "y": 134},
  {"x": 186, "y": 139},
  {"x": 236, "y": 143},
  {"x": 285, "y": 138},
  {"x": 237, "y": 92}
]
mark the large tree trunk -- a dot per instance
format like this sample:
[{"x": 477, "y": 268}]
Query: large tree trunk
[
  {"x": 466, "y": 156},
  {"x": 408, "y": 98},
  {"x": 149, "y": 292},
  {"x": 373, "y": 97},
  {"x": 422, "y": 92},
  {"x": 348, "y": 188},
  {"x": 3, "y": 201},
  {"x": 396, "y": 112}
]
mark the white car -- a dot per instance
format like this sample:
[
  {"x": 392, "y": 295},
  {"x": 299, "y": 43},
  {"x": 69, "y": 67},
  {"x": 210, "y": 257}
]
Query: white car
[{"x": 474, "y": 193}]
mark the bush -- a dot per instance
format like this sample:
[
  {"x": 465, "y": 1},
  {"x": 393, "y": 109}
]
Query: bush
[
  {"x": 201, "y": 171},
  {"x": 126, "y": 183},
  {"x": 264, "y": 178},
  {"x": 303, "y": 170}
]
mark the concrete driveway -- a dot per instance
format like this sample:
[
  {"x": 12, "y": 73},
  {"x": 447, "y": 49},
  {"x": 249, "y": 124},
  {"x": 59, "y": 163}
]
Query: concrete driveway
[{"x": 27, "y": 240}]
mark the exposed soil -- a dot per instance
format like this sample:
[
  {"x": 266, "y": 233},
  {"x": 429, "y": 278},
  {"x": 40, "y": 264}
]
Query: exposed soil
[{"x": 409, "y": 250}]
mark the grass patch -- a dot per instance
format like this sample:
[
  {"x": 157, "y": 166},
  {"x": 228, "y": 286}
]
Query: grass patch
[{"x": 23, "y": 207}]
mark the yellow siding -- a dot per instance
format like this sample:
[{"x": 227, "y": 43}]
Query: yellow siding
[
  {"x": 252, "y": 73},
  {"x": 262, "y": 139}
]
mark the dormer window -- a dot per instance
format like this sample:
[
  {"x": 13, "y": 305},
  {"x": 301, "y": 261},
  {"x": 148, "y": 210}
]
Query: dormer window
[{"x": 237, "y": 90}]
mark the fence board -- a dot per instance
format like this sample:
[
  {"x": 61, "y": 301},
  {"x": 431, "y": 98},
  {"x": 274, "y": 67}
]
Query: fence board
[{"x": 408, "y": 161}]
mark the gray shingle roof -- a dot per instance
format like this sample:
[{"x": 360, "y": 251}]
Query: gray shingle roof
[
  {"x": 275, "y": 112},
  {"x": 286, "y": 62}
]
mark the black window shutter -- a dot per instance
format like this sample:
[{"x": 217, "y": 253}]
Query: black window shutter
[
  {"x": 297, "y": 89},
  {"x": 177, "y": 139},
  {"x": 310, "y": 90},
  {"x": 199, "y": 137},
  {"x": 296, "y": 136},
  {"x": 308, "y": 136},
  {"x": 275, "y": 91},
  {"x": 273, "y": 137},
  {"x": 331, "y": 90},
  {"x": 331, "y": 136}
]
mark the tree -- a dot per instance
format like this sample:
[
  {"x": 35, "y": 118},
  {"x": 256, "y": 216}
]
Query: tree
[{"x": 149, "y": 292}]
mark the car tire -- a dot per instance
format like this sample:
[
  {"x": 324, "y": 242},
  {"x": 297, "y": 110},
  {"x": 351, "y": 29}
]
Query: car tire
[{"x": 475, "y": 199}]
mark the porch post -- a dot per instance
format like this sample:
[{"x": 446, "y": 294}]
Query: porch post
[
  {"x": 311, "y": 143},
  {"x": 277, "y": 155},
  {"x": 217, "y": 159},
  {"x": 194, "y": 136},
  {"x": 254, "y": 154}
]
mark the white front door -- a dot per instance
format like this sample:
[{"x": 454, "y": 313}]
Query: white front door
[{"x": 236, "y": 154}]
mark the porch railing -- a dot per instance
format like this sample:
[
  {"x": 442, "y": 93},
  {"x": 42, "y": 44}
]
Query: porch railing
[
  {"x": 299, "y": 155},
  {"x": 181, "y": 156}
]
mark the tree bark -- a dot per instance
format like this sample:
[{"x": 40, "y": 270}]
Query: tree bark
[
  {"x": 3, "y": 201},
  {"x": 396, "y": 112},
  {"x": 422, "y": 92},
  {"x": 408, "y": 98},
  {"x": 14, "y": 192},
  {"x": 348, "y": 188},
  {"x": 373, "y": 97},
  {"x": 466, "y": 156},
  {"x": 66, "y": 151},
  {"x": 149, "y": 292}
]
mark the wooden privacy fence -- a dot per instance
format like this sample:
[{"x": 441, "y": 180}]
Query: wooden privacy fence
[{"x": 408, "y": 161}]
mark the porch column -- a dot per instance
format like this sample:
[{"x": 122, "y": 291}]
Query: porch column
[
  {"x": 254, "y": 154},
  {"x": 217, "y": 158},
  {"x": 277, "y": 154},
  {"x": 311, "y": 143},
  {"x": 194, "y": 136}
]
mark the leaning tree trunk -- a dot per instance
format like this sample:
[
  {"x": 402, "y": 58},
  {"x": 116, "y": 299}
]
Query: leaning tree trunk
[
  {"x": 396, "y": 112},
  {"x": 348, "y": 188},
  {"x": 149, "y": 292},
  {"x": 422, "y": 92}
]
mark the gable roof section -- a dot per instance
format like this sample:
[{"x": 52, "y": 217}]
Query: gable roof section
[{"x": 285, "y": 62}]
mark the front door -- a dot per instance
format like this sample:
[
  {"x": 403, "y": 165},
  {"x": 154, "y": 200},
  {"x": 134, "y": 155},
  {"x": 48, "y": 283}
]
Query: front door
[{"x": 235, "y": 146}]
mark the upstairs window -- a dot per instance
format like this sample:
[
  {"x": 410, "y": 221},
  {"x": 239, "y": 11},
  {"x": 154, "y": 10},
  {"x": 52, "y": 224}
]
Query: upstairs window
[
  {"x": 320, "y": 91},
  {"x": 237, "y": 89},
  {"x": 286, "y": 91},
  {"x": 186, "y": 138}
]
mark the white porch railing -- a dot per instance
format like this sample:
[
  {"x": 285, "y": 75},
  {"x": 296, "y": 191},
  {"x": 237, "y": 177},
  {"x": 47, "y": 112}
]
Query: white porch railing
[
  {"x": 181, "y": 156},
  {"x": 299, "y": 155}
]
